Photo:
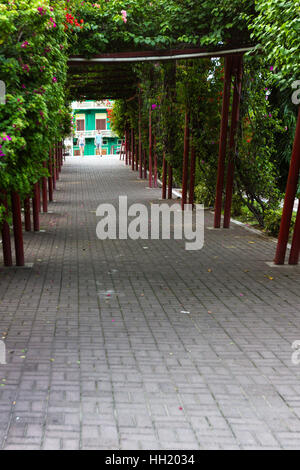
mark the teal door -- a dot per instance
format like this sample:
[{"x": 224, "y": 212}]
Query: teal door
[{"x": 89, "y": 147}]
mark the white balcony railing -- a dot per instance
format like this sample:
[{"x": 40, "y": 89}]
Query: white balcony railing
[
  {"x": 91, "y": 134},
  {"x": 106, "y": 104}
]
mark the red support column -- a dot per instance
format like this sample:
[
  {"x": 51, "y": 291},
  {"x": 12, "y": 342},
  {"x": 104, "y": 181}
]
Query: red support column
[
  {"x": 170, "y": 181},
  {"x": 295, "y": 248},
  {"x": 27, "y": 214},
  {"x": 235, "y": 115},
  {"x": 61, "y": 154},
  {"x": 129, "y": 147},
  {"x": 136, "y": 157},
  {"x": 140, "y": 139},
  {"x": 132, "y": 148},
  {"x": 17, "y": 225},
  {"x": 145, "y": 164},
  {"x": 126, "y": 143},
  {"x": 289, "y": 199},
  {"x": 192, "y": 175},
  {"x": 35, "y": 208},
  {"x": 56, "y": 162},
  {"x": 164, "y": 178},
  {"x": 185, "y": 165},
  {"x": 6, "y": 243},
  {"x": 58, "y": 157},
  {"x": 155, "y": 165},
  {"x": 50, "y": 180},
  {"x": 39, "y": 196},
  {"x": 223, "y": 141},
  {"x": 53, "y": 168},
  {"x": 150, "y": 150},
  {"x": 44, "y": 191}
]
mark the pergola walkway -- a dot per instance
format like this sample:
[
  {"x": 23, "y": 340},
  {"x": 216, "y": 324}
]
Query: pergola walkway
[{"x": 102, "y": 353}]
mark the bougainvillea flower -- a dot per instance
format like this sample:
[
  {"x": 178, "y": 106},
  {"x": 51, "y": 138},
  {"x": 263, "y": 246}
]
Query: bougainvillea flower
[
  {"x": 42, "y": 11},
  {"x": 24, "y": 44},
  {"x": 124, "y": 15},
  {"x": 54, "y": 79}
]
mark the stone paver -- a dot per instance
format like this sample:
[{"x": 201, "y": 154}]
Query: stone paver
[{"x": 129, "y": 370}]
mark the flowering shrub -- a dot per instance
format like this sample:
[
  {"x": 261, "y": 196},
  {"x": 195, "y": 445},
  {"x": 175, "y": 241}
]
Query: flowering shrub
[{"x": 33, "y": 67}]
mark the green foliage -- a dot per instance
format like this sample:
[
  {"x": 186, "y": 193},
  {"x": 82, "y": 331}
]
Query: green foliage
[
  {"x": 36, "y": 40},
  {"x": 276, "y": 27},
  {"x": 273, "y": 220},
  {"x": 204, "y": 195},
  {"x": 33, "y": 55}
]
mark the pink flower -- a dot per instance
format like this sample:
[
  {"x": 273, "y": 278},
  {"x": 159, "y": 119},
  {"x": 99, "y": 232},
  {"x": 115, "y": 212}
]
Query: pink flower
[
  {"x": 124, "y": 15},
  {"x": 24, "y": 44},
  {"x": 271, "y": 68},
  {"x": 54, "y": 79},
  {"x": 41, "y": 11}
]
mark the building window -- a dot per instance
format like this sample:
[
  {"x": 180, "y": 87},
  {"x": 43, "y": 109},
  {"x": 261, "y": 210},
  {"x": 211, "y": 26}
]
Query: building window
[
  {"x": 80, "y": 124},
  {"x": 100, "y": 121},
  {"x": 104, "y": 141},
  {"x": 119, "y": 141},
  {"x": 100, "y": 124}
]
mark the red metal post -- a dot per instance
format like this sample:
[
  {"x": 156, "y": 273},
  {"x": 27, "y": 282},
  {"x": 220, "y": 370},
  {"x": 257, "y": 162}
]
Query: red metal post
[
  {"x": 192, "y": 175},
  {"x": 145, "y": 164},
  {"x": 185, "y": 165},
  {"x": 235, "y": 115},
  {"x": 62, "y": 154},
  {"x": 140, "y": 139},
  {"x": 132, "y": 149},
  {"x": 295, "y": 248},
  {"x": 35, "y": 208},
  {"x": 155, "y": 164},
  {"x": 58, "y": 157},
  {"x": 223, "y": 141},
  {"x": 6, "y": 243},
  {"x": 164, "y": 177},
  {"x": 56, "y": 162},
  {"x": 50, "y": 180},
  {"x": 126, "y": 147},
  {"x": 136, "y": 157},
  {"x": 17, "y": 226},
  {"x": 53, "y": 169},
  {"x": 27, "y": 214},
  {"x": 170, "y": 181},
  {"x": 39, "y": 196},
  {"x": 44, "y": 191},
  {"x": 129, "y": 147},
  {"x": 290, "y": 194},
  {"x": 150, "y": 150}
]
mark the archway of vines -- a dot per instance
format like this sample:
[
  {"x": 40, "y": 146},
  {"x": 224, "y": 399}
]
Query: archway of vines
[{"x": 49, "y": 56}]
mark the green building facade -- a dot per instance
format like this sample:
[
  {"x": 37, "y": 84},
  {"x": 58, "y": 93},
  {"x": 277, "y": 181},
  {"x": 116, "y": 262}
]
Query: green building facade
[{"x": 91, "y": 117}]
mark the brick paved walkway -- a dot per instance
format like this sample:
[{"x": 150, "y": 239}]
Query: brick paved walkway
[{"x": 101, "y": 355}]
